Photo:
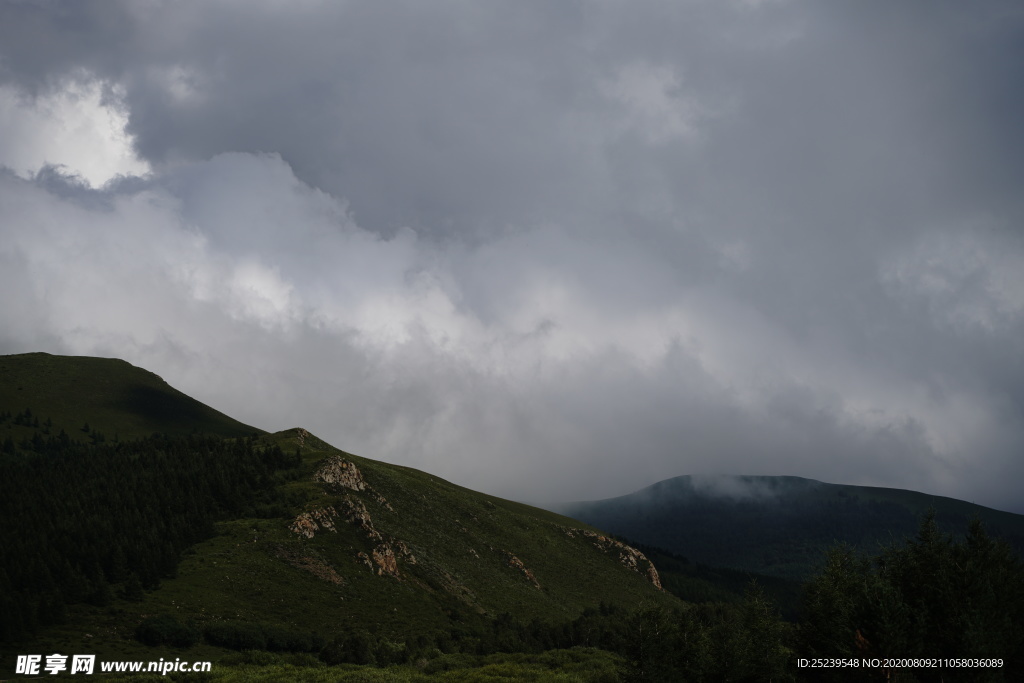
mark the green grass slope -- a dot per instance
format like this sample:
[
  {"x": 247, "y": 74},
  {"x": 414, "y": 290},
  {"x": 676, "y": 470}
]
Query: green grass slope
[
  {"x": 778, "y": 526},
  {"x": 341, "y": 543},
  {"x": 408, "y": 551},
  {"x": 390, "y": 550},
  {"x": 111, "y": 396}
]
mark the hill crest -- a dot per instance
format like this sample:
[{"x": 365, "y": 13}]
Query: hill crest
[
  {"x": 290, "y": 531},
  {"x": 108, "y": 395},
  {"x": 779, "y": 525}
]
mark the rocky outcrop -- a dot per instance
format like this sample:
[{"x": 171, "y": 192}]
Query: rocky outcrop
[
  {"x": 638, "y": 562},
  {"x": 365, "y": 559},
  {"x": 387, "y": 551},
  {"x": 340, "y": 472},
  {"x": 384, "y": 558},
  {"x": 516, "y": 563},
  {"x": 404, "y": 552},
  {"x": 306, "y": 524},
  {"x": 629, "y": 557},
  {"x": 357, "y": 514}
]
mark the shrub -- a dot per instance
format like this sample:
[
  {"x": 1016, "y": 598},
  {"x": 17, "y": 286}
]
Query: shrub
[
  {"x": 236, "y": 635},
  {"x": 351, "y": 648},
  {"x": 165, "y": 629}
]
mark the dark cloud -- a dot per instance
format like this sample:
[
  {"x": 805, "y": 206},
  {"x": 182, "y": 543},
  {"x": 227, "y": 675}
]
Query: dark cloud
[{"x": 548, "y": 250}]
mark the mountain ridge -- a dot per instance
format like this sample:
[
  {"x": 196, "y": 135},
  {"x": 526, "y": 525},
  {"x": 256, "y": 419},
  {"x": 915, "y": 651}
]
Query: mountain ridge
[
  {"x": 763, "y": 485},
  {"x": 778, "y": 526},
  {"x": 305, "y": 537},
  {"x": 108, "y": 394},
  {"x": 187, "y": 534}
]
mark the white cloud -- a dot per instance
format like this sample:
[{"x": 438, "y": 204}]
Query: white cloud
[
  {"x": 261, "y": 296},
  {"x": 80, "y": 127}
]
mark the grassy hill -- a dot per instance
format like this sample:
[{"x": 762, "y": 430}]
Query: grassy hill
[
  {"x": 778, "y": 526},
  {"x": 263, "y": 534},
  {"x": 165, "y": 530},
  {"x": 409, "y": 551},
  {"x": 111, "y": 396}
]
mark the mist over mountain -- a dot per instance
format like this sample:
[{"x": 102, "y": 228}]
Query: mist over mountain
[
  {"x": 141, "y": 522},
  {"x": 778, "y": 525}
]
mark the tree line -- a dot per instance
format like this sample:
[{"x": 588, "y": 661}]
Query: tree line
[
  {"x": 88, "y": 519},
  {"x": 930, "y": 597},
  {"x": 83, "y": 518}
]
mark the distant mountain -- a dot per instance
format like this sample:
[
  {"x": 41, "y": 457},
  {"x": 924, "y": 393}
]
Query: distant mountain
[
  {"x": 213, "y": 527},
  {"x": 778, "y": 526}
]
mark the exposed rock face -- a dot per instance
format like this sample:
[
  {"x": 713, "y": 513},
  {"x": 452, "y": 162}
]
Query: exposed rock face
[
  {"x": 404, "y": 551},
  {"x": 384, "y": 560},
  {"x": 366, "y": 559},
  {"x": 337, "y": 471},
  {"x": 387, "y": 563},
  {"x": 306, "y": 524},
  {"x": 357, "y": 514},
  {"x": 638, "y": 562},
  {"x": 516, "y": 563},
  {"x": 629, "y": 556},
  {"x": 340, "y": 472}
]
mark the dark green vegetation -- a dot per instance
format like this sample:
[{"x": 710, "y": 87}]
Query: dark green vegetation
[
  {"x": 778, "y": 526},
  {"x": 931, "y": 596},
  {"x": 100, "y": 399},
  {"x": 279, "y": 557},
  {"x": 928, "y": 598},
  {"x": 103, "y": 531},
  {"x": 82, "y": 519},
  {"x": 700, "y": 583}
]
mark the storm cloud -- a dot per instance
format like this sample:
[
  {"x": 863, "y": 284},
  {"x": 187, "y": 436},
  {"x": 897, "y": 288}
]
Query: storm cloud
[{"x": 548, "y": 250}]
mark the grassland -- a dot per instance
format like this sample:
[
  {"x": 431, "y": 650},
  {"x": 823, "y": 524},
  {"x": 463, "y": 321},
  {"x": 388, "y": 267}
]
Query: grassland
[
  {"x": 397, "y": 553},
  {"x": 109, "y": 395},
  {"x": 309, "y": 563}
]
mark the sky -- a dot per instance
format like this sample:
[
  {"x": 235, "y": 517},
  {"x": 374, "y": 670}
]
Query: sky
[{"x": 548, "y": 250}]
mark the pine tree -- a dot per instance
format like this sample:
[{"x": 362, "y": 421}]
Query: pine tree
[
  {"x": 133, "y": 589},
  {"x": 930, "y": 595}
]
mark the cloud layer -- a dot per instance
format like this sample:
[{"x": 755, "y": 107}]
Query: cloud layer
[{"x": 548, "y": 251}]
